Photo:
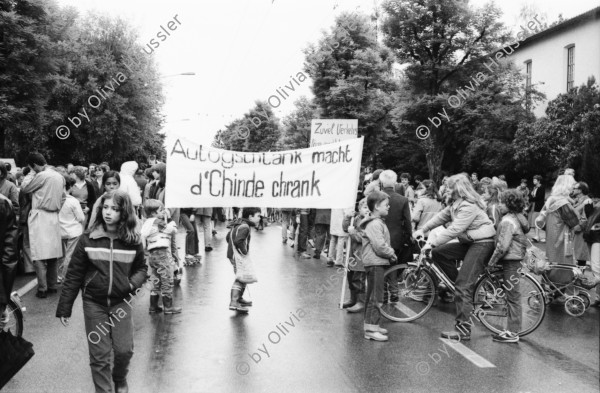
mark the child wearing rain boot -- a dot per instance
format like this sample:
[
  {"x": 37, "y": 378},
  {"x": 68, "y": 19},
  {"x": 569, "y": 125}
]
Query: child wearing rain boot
[
  {"x": 356, "y": 269},
  {"x": 376, "y": 255},
  {"x": 239, "y": 237},
  {"x": 156, "y": 238}
]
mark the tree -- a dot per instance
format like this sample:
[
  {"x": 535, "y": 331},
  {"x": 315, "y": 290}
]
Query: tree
[
  {"x": 352, "y": 79},
  {"x": 257, "y": 130},
  {"x": 568, "y": 135},
  {"x": 27, "y": 67},
  {"x": 446, "y": 43},
  {"x": 59, "y": 70},
  {"x": 296, "y": 125}
]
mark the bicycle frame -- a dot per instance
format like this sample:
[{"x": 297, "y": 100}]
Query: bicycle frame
[
  {"x": 425, "y": 261},
  {"x": 16, "y": 299}
]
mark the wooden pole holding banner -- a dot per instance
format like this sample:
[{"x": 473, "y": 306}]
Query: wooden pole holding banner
[{"x": 346, "y": 262}]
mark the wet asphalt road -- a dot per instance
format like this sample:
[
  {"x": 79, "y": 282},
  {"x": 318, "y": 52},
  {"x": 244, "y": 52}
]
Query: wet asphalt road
[{"x": 306, "y": 343}]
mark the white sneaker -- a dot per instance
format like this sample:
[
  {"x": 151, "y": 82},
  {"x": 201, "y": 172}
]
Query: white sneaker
[{"x": 377, "y": 336}]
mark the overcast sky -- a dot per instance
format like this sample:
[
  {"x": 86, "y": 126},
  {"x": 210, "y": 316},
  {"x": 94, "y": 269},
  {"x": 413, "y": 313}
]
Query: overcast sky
[{"x": 243, "y": 50}]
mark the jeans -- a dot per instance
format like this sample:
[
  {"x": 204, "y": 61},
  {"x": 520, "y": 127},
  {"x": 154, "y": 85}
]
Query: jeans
[
  {"x": 205, "y": 222},
  {"x": 47, "y": 273},
  {"x": 321, "y": 231},
  {"x": 108, "y": 329},
  {"x": 357, "y": 283},
  {"x": 285, "y": 222},
  {"x": 475, "y": 257},
  {"x": 511, "y": 290},
  {"x": 68, "y": 246},
  {"x": 336, "y": 249},
  {"x": 374, "y": 296},
  {"x": 161, "y": 271},
  {"x": 303, "y": 235},
  {"x": 26, "y": 251},
  {"x": 191, "y": 237}
]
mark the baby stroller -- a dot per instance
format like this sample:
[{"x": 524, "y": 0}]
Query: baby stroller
[
  {"x": 562, "y": 280},
  {"x": 570, "y": 282}
]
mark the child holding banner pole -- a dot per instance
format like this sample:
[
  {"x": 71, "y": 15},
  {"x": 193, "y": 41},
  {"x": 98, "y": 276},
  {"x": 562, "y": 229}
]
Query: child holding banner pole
[
  {"x": 376, "y": 256},
  {"x": 346, "y": 269},
  {"x": 355, "y": 268}
]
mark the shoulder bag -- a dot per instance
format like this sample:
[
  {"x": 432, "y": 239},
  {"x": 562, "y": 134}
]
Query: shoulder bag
[{"x": 244, "y": 267}]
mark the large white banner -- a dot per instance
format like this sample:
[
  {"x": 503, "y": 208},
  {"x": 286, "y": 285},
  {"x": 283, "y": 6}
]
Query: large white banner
[
  {"x": 319, "y": 177},
  {"x": 325, "y": 131}
]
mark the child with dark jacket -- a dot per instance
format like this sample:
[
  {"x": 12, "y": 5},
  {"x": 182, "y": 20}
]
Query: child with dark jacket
[
  {"x": 239, "y": 237},
  {"x": 511, "y": 246},
  {"x": 376, "y": 255},
  {"x": 8, "y": 262},
  {"x": 109, "y": 267},
  {"x": 356, "y": 270}
]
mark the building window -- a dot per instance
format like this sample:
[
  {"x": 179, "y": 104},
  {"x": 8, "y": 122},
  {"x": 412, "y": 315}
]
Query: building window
[
  {"x": 528, "y": 85},
  {"x": 528, "y": 74},
  {"x": 570, "y": 66}
]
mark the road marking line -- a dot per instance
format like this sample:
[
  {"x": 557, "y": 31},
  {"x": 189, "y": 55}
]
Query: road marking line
[
  {"x": 27, "y": 287},
  {"x": 468, "y": 354}
]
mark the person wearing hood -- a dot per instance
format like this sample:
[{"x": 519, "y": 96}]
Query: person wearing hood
[
  {"x": 377, "y": 253},
  {"x": 128, "y": 183},
  {"x": 511, "y": 246},
  {"x": 559, "y": 217},
  {"x": 239, "y": 237}
]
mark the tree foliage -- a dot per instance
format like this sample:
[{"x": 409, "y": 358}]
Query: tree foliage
[
  {"x": 352, "y": 78},
  {"x": 569, "y": 135},
  {"x": 52, "y": 63},
  {"x": 296, "y": 126},
  {"x": 257, "y": 130},
  {"x": 446, "y": 43}
]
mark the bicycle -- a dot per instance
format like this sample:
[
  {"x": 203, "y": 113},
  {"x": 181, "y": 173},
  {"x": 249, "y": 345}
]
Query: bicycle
[
  {"x": 417, "y": 292},
  {"x": 15, "y": 310}
]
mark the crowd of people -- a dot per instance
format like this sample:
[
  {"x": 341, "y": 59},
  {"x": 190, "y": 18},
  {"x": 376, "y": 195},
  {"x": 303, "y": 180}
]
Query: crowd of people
[
  {"x": 105, "y": 232},
  {"x": 478, "y": 222}
]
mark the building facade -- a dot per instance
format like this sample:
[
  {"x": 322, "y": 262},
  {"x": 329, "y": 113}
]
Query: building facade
[{"x": 561, "y": 57}]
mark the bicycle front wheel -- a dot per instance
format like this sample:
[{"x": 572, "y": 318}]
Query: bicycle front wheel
[
  {"x": 15, "y": 320},
  {"x": 411, "y": 293},
  {"x": 490, "y": 303}
]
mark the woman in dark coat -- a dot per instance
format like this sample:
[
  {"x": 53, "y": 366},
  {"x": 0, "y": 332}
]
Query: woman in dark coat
[{"x": 536, "y": 198}]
